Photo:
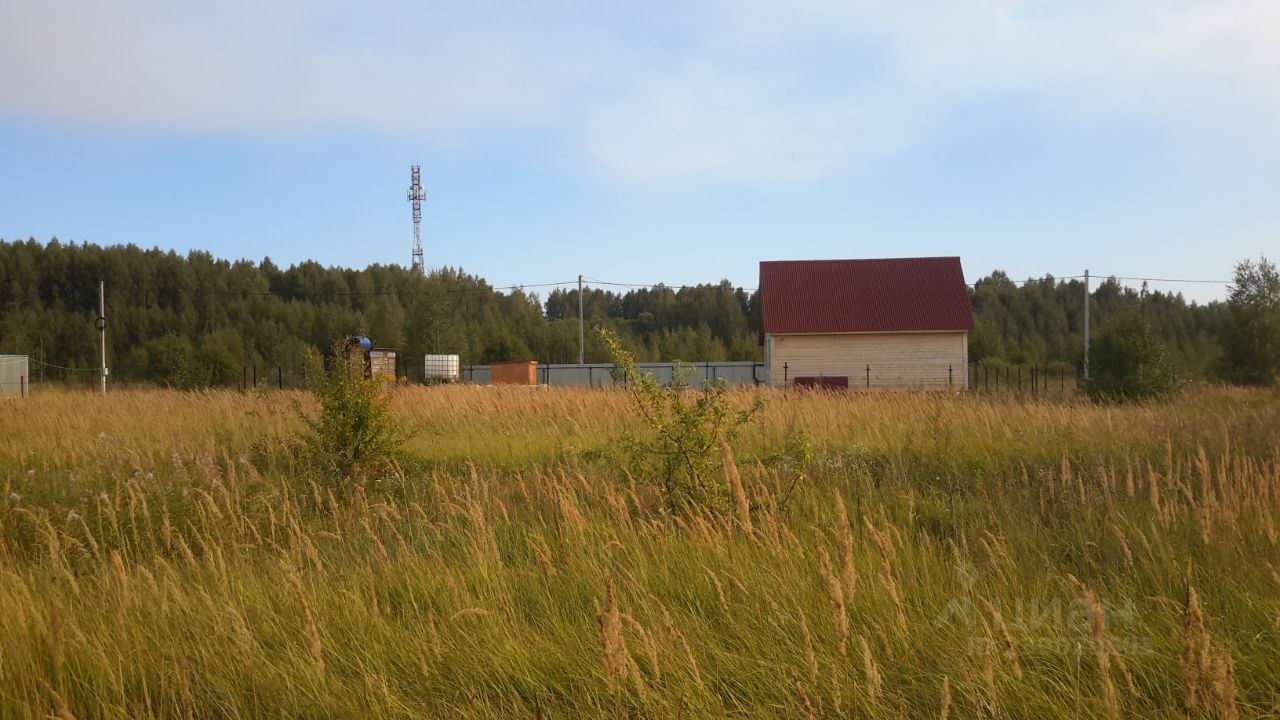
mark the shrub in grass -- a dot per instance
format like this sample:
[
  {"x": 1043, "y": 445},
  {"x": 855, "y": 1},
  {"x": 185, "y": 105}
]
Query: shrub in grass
[
  {"x": 1129, "y": 362},
  {"x": 683, "y": 453},
  {"x": 353, "y": 433}
]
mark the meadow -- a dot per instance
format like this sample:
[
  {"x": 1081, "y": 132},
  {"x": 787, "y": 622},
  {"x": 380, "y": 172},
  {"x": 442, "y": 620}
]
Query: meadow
[{"x": 165, "y": 554}]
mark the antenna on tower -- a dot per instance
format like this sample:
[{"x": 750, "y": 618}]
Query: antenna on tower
[{"x": 416, "y": 196}]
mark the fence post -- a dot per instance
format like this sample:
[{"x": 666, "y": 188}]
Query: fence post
[
  {"x": 279, "y": 377},
  {"x": 244, "y": 377},
  {"x": 784, "y": 374},
  {"x": 868, "y": 377},
  {"x": 1019, "y": 378},
  {"x": 22, "y": 386},
  {"x": 255, "y": 377},
  {"x": 950, "y": 371}
]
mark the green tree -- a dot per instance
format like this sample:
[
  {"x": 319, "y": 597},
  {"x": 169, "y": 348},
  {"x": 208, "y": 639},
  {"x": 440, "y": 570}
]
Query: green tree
[
  {"x": 1252, "y": 341},
  {"x": 1129, "y": 361},
  {"x": 354, "y": 433}
]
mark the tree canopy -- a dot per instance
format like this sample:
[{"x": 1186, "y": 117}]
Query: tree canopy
[
  {"x": 1252, "y": 337},
  {"x": 194, "y": 320}
]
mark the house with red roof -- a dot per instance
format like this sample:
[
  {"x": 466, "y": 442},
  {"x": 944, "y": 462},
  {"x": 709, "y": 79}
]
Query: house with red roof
[{"x": 884, "y": 324}]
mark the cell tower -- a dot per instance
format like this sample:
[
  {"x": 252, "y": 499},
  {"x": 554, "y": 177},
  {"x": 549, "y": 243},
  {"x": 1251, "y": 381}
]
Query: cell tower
[{"x": 416, "y": 196}]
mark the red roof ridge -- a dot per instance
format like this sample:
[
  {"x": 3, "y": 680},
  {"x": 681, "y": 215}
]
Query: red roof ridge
[
  {"x": 880, "y": 259},
  {"x": 915, "y": 294}
]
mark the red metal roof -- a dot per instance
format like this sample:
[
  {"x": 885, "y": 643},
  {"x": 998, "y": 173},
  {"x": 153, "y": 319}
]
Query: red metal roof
[{"x": 841, "y": 296}]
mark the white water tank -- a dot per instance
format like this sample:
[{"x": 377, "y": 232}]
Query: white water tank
[
  {"x": 15, "y": 375},
  {"x": 441, "y": 369}
]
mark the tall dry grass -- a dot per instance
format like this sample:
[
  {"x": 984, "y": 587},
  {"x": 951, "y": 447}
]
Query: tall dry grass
[{"x": 161, "y": 555}]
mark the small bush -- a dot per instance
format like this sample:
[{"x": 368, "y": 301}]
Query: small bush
[
  {"x": 354, "y": 433},
  {"x": 683, "y": 456},
  {"x": 1129, "y": 362}
]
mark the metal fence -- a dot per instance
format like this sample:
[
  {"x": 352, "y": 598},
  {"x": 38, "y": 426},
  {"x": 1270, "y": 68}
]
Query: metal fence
[
  {"x": 1034, "y": 380},
  {"x": 1058, "y": 380},
  {"x": 601, "y": 374},
  {"x": 1026, "y": 379}
]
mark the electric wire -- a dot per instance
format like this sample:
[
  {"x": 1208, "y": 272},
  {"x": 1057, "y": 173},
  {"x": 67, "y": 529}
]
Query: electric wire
[
  {"x": 1174, "y": 280},
  {"x": 380, "y": 293},
  {"x": 61, "y": 367}
]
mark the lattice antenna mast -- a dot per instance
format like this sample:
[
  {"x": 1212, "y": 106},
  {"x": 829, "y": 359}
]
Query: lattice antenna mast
[{"x": 416, "y": 196}]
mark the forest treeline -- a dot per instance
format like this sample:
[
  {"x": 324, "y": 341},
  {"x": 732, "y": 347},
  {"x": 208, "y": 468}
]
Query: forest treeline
[{"x": 194, "y": 320}]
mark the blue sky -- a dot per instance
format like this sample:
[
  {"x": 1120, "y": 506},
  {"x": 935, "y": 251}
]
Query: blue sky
[{"x": 674, "y": 142}]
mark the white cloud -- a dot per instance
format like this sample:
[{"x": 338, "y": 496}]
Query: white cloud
[
  {"x": 249, "y": 66},
  {"x": 738, "y": 90}
]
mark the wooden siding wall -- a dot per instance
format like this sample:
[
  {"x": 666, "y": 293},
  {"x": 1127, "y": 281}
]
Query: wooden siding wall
[{"x": 899, "y": 361}]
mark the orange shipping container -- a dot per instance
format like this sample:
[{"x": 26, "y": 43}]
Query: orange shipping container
[{"x": 523, "y": 372}]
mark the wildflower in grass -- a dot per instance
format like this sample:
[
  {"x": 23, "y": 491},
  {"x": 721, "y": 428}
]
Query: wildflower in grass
[
  {"x": 73, "y": 516},
  {"x": 15, "y": 498},
  {"x": 212, "y": 471}
]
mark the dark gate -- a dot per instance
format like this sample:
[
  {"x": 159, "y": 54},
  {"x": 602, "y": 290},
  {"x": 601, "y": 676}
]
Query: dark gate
[{"x": 824, "y": 382}]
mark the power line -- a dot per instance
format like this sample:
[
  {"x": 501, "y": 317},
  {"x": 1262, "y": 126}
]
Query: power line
[
  {"x": 61, "y": 367},
  {"x": 1028, "y": 281},
  {"x": 323, "y": 295},
  {"x": 1174, "y": 280},
  {"x": 382, "y": 293},
  {"x": 1108, "y": 277},
  {"x": 663, "y": 285}
]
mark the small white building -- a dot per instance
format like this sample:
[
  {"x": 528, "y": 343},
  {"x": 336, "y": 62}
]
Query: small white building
[
  {"x": 887, "y": 324},
  {"x": 15, "y": 375}
]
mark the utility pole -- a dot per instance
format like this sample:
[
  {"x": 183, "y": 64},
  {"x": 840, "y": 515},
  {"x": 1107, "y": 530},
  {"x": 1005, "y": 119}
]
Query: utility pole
[
  {"x": 102, "y": 332},
  {"x": 1086, "y": 324},
  {"x": 581, "y": 331}
]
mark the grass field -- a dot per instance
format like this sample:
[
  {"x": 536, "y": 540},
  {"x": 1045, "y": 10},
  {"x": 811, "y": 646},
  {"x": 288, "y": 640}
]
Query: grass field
[{"x": 163, "y": 555}]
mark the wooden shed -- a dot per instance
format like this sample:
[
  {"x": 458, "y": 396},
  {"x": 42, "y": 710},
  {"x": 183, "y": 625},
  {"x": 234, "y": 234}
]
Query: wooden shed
[{"x": 885, "y": 324}]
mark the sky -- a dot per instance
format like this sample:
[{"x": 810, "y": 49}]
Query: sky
[{"x": 674, "y": 142}]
